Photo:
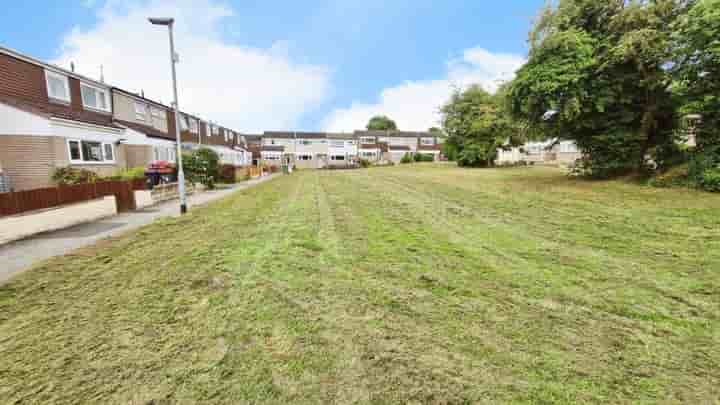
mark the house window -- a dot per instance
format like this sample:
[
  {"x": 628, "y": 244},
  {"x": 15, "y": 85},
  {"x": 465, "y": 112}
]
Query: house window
[
  {"x": 304, "y": 157},
  {"x": 193, "y": 125},
  {"x": 214, "y": 129},
  {"x": 57, "y": 86},
  {"x": 337, "y": 144},
  {"x": 337, "y": 157},
  {"x": 157, "y": 113},
  {"x": 367, "y": 154},
  {"x": 427, "y": 141},
  {"x": 140, "y": 111},
  {"x": 74, "y": 150},
  {"x": 95, "y": 98},
  {"x": 91, "y": 152},
  {"x": 183, "y": 123},
  {"x": 305, "y": 142},
  {"x": 367, "y": 139}
]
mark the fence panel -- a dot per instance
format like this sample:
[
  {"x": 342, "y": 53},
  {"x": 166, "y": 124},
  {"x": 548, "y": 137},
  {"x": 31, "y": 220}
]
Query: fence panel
[
  {"x": 74, "y": 194},
  {"x": 8, "y": 204},
  {"x": 41, "y": 198},
  {"x": 122, "y": 190},
  {"x": 36, "y": 199}
]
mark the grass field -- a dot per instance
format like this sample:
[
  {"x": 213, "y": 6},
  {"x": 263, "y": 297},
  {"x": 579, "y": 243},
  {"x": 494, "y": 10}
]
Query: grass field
[{"x": 420, "y": 284}]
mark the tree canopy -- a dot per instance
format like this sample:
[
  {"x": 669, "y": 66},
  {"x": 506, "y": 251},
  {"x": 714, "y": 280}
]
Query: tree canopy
[
  {"x": 476, "y": 126},
  {"x": 697, "y": 70},
  {"x": 601, "y": 69},
  {"x": 381, "y": 123}
]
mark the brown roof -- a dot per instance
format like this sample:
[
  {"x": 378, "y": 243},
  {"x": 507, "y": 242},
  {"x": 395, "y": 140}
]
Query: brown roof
[
  {"x": 429, "y": 147},
  {"x": 255, "y": 150},
  {"x": 147, "y": 130},
  {"x": 272, "y": 148},
  {"x": 369, "y": 146},
  {"x": 143, "y": 98},
  {"x": 400, "y": 147},
  {"x": 396, "y": 134},
  {"x": 294, "y": 134}
]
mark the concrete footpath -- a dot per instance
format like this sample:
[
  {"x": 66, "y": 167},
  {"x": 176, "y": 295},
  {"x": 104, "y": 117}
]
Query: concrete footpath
[{"x": 18, "y": 256}]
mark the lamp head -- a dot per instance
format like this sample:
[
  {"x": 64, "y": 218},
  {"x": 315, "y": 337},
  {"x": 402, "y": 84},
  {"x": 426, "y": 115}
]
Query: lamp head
[{"x": 161, "y": 21}]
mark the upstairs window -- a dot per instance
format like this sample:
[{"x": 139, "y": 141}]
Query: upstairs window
[
  {"x": 95, "y": 98},
  {"x": 157, "y": 113},
  {"x": 367, "y": 139},
  {"x": 183, "y": 123},
  {"x": 140, "y": 111},
  {"x": 337, "y": 144},
  {"x": 214, "y": 129},
  {"x": 427, "y": 141},
  {"x": 193, "y": 125},
  {"x": 57, "y": 86}
]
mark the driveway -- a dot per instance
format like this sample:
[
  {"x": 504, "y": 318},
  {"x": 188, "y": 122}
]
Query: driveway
[{"x": 18, "y": 256}]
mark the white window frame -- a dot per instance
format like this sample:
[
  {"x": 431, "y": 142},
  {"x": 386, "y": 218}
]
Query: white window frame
[
  {"x": 367, "y": 139},
  {"x": 337, "y": 143},
  {"x": 305, "y": 157},
  {"x": 103, "y": 92},
  {"x": 66, "y": 83},
  {"x": 427, "y": 141},
  {"x": 194, "y": 129},
  {"x": 82, "y": 160},
  {"x": 214, "y": 130},
  {"x": 335, "y": 157},
  {"x": 157, "y": 113},
  {"x": 184, "y": 122},
  {"x": 138, "y": 116}
]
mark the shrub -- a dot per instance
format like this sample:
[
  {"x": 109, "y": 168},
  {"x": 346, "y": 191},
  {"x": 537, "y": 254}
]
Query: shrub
[
  {"x": 704, "y": 166},
  {"x": 710, "y": 180},
  {"x": 423, "y": 157},
  {"x": 202, "y": 166},
  {"x": 130, "y": 174},
  {"x": 364, "y": 163},
  {"x": 407, "y": 158},
  {"x": 72, "y": 175},
  {"x": 674, "y": 177}
]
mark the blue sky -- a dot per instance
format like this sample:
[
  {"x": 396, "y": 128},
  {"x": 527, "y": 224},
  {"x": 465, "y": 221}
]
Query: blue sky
[{"x": 275, "y": 65}]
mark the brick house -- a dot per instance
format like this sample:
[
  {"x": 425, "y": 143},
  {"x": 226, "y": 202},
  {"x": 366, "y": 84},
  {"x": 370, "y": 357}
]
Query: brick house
[{"x": 53, "y": 118}]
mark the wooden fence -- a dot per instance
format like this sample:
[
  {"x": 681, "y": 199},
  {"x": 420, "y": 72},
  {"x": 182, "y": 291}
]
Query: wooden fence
[{"x": 22, "y": 201}]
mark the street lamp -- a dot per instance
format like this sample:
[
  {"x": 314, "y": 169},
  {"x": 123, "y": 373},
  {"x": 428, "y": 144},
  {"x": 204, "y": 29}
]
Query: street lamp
[{"x": 173, "y": 60}]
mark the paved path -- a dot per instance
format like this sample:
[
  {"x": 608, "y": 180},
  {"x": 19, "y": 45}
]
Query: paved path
[{"x": 20, "y": 255}]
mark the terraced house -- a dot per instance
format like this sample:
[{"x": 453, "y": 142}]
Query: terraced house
[
  {"x": 52, "y": 117},
  {"x": 318, "y": 150}
]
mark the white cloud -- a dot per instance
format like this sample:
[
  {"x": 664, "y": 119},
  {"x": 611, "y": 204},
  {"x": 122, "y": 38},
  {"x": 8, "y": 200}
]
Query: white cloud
[
  {"x": 248, "y": 89},
  {"x": 414, "y": 105}
]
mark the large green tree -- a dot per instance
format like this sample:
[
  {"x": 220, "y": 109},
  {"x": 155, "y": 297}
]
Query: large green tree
[
  {"x": 598, "y": 74},
  {"x": 381, "y": 123},
  {"x": 476, "y": 125},
  {"x": 697, "y": 67}
]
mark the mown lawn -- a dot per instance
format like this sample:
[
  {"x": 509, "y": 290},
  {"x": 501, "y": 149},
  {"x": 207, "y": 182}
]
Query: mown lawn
[{"x": 420, "y": 284}]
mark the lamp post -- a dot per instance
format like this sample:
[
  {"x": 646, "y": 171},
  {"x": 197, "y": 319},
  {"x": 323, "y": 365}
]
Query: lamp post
[{"x": 173, "y": 60}]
